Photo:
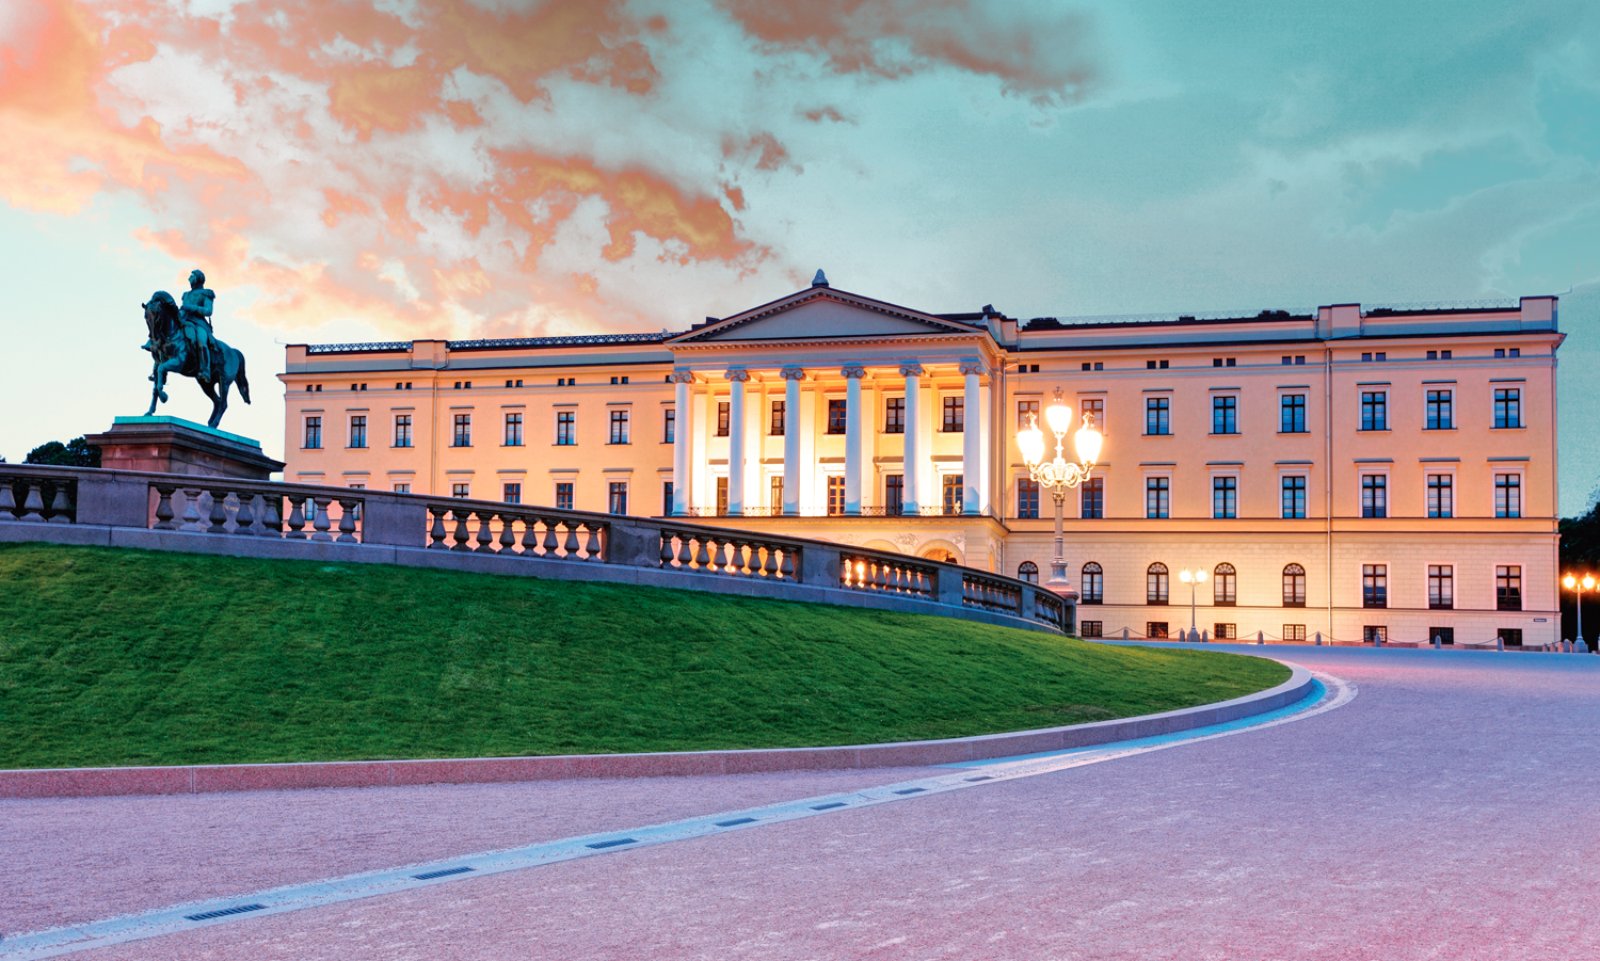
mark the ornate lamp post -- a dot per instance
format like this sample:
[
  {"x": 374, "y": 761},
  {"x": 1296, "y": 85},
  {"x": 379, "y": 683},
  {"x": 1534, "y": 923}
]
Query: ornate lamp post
[
  {"x": 1192, "y": 578},
  {"x": 1057, "y": 475},
  {"x": 1579, "y": 587}
]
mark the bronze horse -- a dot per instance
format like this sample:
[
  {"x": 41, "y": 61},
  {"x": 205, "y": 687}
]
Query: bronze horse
[{"x": 175, "y": 345}]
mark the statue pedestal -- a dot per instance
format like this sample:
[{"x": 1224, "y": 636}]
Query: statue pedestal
[{"x": 172, "y": 445}]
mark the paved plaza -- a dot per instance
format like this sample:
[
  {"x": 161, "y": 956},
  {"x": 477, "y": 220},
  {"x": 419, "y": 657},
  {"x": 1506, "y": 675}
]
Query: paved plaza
[{"x": 1441, "y": 813}]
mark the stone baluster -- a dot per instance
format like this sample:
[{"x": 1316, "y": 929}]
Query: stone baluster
[
  {"x": 164, "y": 512},
  {"x": 436, "y": 533},
  {"x": 593, "y": 549},
  {"x": 508, "y": 534},
  {"x": 347, "y": 520},
  {"x": 460, "y": 538},
  {"x": 245, "y": 518},
  {"x": 191, "y": 508},
  {"x": 321, "y": 524},
  {"x": 702, "y": 555},
  {"x": 218, "y": 518},
  {"x": 569, "y": 546},
  {"x": 297, "y": 516},
  {"x": 33, "y": 503},
  {"x": 530, "y": 536},
  {"x": 61, "y": 506},
  {"x": 485, "y": 536}
]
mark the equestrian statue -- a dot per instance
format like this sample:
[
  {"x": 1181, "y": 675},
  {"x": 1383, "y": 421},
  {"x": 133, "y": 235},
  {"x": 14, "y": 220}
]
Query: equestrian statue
[{"x": 181, "y": 343}]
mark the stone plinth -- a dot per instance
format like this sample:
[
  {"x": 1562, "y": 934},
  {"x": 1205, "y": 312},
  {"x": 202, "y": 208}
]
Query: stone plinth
[{"x": 172, "y": 445}]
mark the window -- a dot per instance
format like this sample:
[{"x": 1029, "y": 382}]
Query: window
[
  {"x": 462, "y": 435},
  {"x": 1225, "y": 414},
  {"x": 894, "y": 493},
  {"x": 564, "y": 495},
  {"x": 953, "y": 493},
  {"x": 619, "y": 380},
  {"x": 402, "y": 430},
  {"x": 1508, "y": 495},
  {"x": 1027, "y": 413},
  {"x": 1440, "y": 411},
  {"x": 1441, "y": 495},
  {"x": 1294, "y": 496},
  {"x": 1027, "y": 498},
  {"x": 1092, "y": 498},
  {"x": 1374, "y": 410},
  {"x": 1157, "y": 415},
  {"x": 1508, "y": 588},
  {"x": 513, "y": 433},
  {"x": 1294, "y": 632},
  {"x": 511, "y": 493},
  {"x": 1291, "y": 413},
  {"x": 775, "y": 493},
  {"x": 1091, "y": 629},
  {"x": 1507, "y": 407},
  {"x": 1225, "y": 497},
  {"x": 460, "y": 490},
  {"x": 722, "y": 497},
  {"x": 669, "y": 426},
  {"x": 666, "y": 497},
  {"x": 1374, "y": 495},
  {"x": 955, "y": 415},
  {"x": 776, "y": 415},
  {"x": 894, "y": 415},
  {"x": 1441, "y": 587},
  {"x": 1155, "y": 584},
  {"x": 1374, "y": 585},
  {"x": 619, "y": 427},
  {"x": 402, "y": 487},
  {"x": 313, "y": 432},
  {"x": 1294, "y": 585},
  {"x": 835, "y": 494},
  {"x": 358, "y": 430},
  {"x": 1093, "y": 584},
  {"x": 722, "y": 418},
  {"x": 1028, "y": 571},
  {"x": 1374, "y": 634},
  {"x": 1224, "y": 586},
  {"x": 566, "y": 428},
  {"x": 617, "y": 497},
  {"x": 1157, "y": 497},
  {"x": 1510, "y": 636},
  {"x": 1156, "y": 629},
  {"x": 837, "y": 417},
  {"x": 1224, "y": 632},
  {"x": 1446, "y": 635}
]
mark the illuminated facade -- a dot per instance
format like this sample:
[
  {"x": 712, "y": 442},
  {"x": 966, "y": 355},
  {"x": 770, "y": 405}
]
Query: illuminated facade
[{"x": 1355, "y": 473}]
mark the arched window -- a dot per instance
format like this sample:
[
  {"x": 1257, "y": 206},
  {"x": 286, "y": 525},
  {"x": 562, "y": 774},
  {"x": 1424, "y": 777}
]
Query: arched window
[
  {"x": 1224, "y": 586},
  {"x": 1294, "y": 586},
  {"x": 1093, "y": 584},
  {"x": 1155, "y": 584},
  {"x": 1028, "y": 571}
]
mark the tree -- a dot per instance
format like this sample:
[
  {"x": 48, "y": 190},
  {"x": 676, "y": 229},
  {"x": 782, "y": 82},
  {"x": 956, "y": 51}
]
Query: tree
[{"x": 74, "y": 453}]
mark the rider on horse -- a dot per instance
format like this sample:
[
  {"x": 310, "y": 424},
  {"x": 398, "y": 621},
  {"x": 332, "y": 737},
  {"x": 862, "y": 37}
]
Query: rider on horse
[{"x": 195, "y": 323}]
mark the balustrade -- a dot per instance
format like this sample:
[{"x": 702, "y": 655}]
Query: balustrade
[
  {"x": 36, "y": 500},
  {"x": 734, "y": 553},
  {"x": 890, "y": 573},
  {"x": 515, "y": 531},
  {"x": 991, "y": 593},
  {"x": 244, "y": 509}
]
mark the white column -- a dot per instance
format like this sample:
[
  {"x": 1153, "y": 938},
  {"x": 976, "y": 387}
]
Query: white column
[
  {"x": 736, "y": 380},
  {"x": 852, "y": 438},
  {"x": 985, "y": 445},
  {"x": 972, "y": 441},
  {"x": 682, "y": 438},
  {"x": 793, "y": 425},
  {"x": 912, "y": 461}
]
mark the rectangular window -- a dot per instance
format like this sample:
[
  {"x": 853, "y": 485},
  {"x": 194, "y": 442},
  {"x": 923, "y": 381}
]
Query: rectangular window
[
  {"x": 1095, "y": 407},
  {"x": 1225, "y": 414},
  {"x": 1441, "y": 587},
  {"x": 1374, "y": 495},
  {"x": 1507, "y": 407},
  {"x": 776, "y": 415},
  {"x": 1294, "y": 632},
  {"x": 775, "y": 493},
  {"x": 566, "y": 428},
  {"x": 1374, "y": 585},
  {"x": 402, "y": 488},
  {"x": 835, "y": 494},
  {"x": 955, "y": 415},
  {"x": 1155, "y": 629},
  {"x": 564, "y": 495},
  {"x": 511, "y": 493},
  {"x": 460, "y": 490},
  {"x": 1374, "y": 410},
  {"x": 402, "y": 430},
  {"x": 1092, "y": 499},
  {"x": 1441, "y": 495},
  {"x": 894, "y": 415},
  {"x": 617, "y": 497},
  {"x": 954, "y": 488},
  {"x": 1224, "y": 497},
  {"x": 513, "y": 433},
  {"x": 358, "y": 430},
  {"x": 1508, "y": 495},
  {"x": 722, "y": 418},
  {"x": 1027, "y": 498},
  {"x": 1291, "y": 413},
  {"x": 669, "y": 426},
  {"x": 894, "y": 493},
  {"x": 1224, "y": 632},
  {"x": 1440, "y": 412},
  {"x": 1157, "y": 415},
  {"x": 462, "y": 435},
  {"x": 1157, "y": 497},
  {"x": 838, "y": 416},
  {"x": 1091, "y": 629},
  {"x": 722, "y": 497},
  {"x": 1093, "y": 584},
  {"x": 1374, "y": 634},
  {"x": 1510, "y": 636},
  {"x": 666, "y": 497},
  {"x": 1027, "y": 412},
  {"x": 1508, "y": 588},
  {"x": 1444, "y": 635},
  {"x": 619, "y": 427},
  {"x": 1294, "y": 497},
  {"x": 313, "y": 432}
]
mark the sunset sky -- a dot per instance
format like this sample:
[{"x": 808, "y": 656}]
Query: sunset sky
[{"x": 405, "y": 168}]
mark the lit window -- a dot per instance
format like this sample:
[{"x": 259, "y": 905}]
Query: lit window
[
  {"x": 954, "y": 493},
  {"x": 955, "y": 416},
  {"x": 1093, "y": 583},
  {"x": 835, "y": 494},
  {"x": 1224, "y": 586},
  {"x": 894, "y": 415},
  {"x": 1027, "y": 498},
  {"x": 837, "y": 417}
]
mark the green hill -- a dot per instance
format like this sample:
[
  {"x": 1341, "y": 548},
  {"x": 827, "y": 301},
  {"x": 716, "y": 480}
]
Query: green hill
[{"x": 111, "y": 657}]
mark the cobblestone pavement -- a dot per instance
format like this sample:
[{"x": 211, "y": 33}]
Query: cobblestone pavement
[{"x": 1441, "y": 814}]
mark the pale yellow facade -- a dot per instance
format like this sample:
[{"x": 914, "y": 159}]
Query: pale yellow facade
[{"x": 1401, "y": 458}]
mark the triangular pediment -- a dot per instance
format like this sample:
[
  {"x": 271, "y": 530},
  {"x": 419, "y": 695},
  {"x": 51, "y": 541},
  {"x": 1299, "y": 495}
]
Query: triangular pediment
[{"x": 821, "y": 313}]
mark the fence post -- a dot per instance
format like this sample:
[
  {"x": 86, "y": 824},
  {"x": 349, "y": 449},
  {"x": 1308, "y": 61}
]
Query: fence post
[
  {"x": 393, "y": 520},
  {"x": 819, "y": 566},
  {"x": 1318, "y": 639},
  {"x": 951, "y": 589},
  {"x": 106, "y": 498}
]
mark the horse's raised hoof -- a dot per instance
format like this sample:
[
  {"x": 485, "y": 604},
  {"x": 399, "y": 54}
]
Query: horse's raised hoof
[{"x": 163, "y": 396}]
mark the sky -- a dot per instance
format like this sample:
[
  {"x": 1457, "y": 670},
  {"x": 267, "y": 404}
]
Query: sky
[{"x": 426, "y": 168}]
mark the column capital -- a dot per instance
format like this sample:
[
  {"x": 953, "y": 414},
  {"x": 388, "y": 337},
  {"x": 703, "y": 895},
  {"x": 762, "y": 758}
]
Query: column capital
[
  {"x": 737, "y": 373},
  {"x": 974, "y": 367},
  {"x": 910, "y": 369},
  {"x": 853, "y": 372},
  {"x": 682, "y": 376},
  {"x": 792, "y": 373}
]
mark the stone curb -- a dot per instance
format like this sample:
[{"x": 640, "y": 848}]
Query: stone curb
[{"x": 201, "y": 779}]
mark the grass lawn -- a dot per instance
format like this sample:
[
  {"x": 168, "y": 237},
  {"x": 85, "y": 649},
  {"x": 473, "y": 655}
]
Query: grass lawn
[{"x": 111, "y": 657}]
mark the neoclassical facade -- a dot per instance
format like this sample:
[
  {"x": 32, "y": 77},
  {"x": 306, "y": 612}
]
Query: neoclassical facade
[{"x": 1362, "y": 474}]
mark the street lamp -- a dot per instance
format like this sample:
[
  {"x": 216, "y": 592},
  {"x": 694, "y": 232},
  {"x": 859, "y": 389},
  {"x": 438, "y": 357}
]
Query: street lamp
[
  {"x": 1192, "y": 578},
  {"x": 1057, "y": 475},
  {"x": 1579, "y": 587}
]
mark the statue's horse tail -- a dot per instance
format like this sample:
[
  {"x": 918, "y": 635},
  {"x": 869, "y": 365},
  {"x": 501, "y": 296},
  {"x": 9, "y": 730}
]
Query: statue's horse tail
[{"x": 241, "y": 381}]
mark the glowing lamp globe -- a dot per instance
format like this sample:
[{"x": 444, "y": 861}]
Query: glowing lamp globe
[
  {"x": 1087, "y": 441},
  {"x": 1569, "y": 582},
  {"x": 1031, "y": 440},
  {"x": 1059, "y": 417}
]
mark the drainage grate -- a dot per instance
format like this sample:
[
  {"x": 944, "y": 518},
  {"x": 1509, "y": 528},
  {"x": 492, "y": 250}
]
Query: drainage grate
[
  {"x": 735, "y": 822},
  {"x": 599, "y": 845},
  {"x": 827, "y": 807},
  {"x": 912, "y": 790},
  {"x": 224, "y": 912},
  {"x": 430, "y": 875}
]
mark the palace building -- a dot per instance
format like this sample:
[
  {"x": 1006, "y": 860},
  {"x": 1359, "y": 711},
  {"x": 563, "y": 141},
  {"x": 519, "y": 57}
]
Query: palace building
[{"x": 1377, "y": 473}]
